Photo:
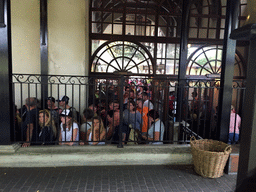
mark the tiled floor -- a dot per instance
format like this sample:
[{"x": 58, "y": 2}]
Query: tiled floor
[{"x": 111, "y": 178}]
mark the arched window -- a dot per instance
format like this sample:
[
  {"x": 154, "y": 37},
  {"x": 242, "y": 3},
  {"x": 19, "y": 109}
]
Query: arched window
[
  {"x": 207, "y": 60},
  {"x": 140, "y": 37},
  {"x": 122, "y": 56},
  {"x": 156, "y": 25}
]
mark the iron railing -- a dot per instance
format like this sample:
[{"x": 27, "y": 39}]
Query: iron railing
[{"x": 197, "y": 114}]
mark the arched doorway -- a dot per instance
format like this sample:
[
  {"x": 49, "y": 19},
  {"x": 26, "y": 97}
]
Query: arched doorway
[{"x": 204, "y": 64}]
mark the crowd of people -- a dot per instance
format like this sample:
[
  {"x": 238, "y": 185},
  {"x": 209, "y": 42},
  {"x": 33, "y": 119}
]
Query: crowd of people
[
  {"x": 101, "y": 123},
  {"x": 106, "y": 120}
]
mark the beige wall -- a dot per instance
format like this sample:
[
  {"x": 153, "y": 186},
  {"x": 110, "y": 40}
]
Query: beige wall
[
  {"x": 67, "y": 39},
  {"x": 66, "y": 29},
  {"x": 68, "y": 44},
  {"x": 68, "y": 35},
  {"x": 25, "y": 18}
]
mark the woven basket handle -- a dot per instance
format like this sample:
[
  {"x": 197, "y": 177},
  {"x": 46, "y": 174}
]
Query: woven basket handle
[
  {"x": 193, "y": 138},
  {"x": 227, "y": 149}
]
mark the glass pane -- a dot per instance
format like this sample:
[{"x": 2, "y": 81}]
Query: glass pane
[
  {"x": 193, "y": 22},
  {"x": 176, "y": 69},
  {"x": 95, "y": 45},
  {"x": 204, "y": 72},
  {"x": 111, "y": 69},
  {"x": 192, "y": 32},
  {"x": 212, "y": 33},
  {"x": 170, "y": 67},
  {"x": 219, "y": 54},
  {"x": 172, "y": 49},
  {"x": 140, "y": 30},
  {"x": 150, "y": 30},
  {"x": 117, "y": 30},
  {"x": 130, "y": 18},
  {"x": 108, "y": 17},
  {"x": 129, "y": 29},
  {"x": 160, "y": 69},
  {"x": 214, "y": 66},
  {"x": 162, "y": 31},
  {"x": 161, "y": 50},
  {"x": 96, "y": 3},
  {"x": 118, "y": 18},
  {"x": 222, "y": 23},
  {"x": 222, "y": 34},
  {"x": 151, "y": 19},
  {"x": 96, "y": 16},
  {"x": 202, "y": 33},
  {"x": 107, "y": 29},
  {"x": 213, "y": 23},
  {"x": 204, "y": 22},
  {"x": 147, "y": 69},
  {"x": 211, "y": 54},
  {"x": 95, "y": 27}
]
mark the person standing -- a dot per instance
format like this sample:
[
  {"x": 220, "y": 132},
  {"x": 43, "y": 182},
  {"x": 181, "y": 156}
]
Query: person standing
[
  {"x": 48, "y": 132},
  {"x": 147, "y": 102},
  {"x": 30, "y": 131},
  {"x": 114, "y": 128},
  {"x": 55, "y": 111},
  {"x": 87, "y": 119},
  {"x": 97, "y": 133},
  {"x": 63, "y": 102},
  {"x": 235, "y": 122},
  {"x": 156, "y": 130},
  {"x": 131, "y": 116},
  {"x": 68, "y": 129},
  {"x": 144, "y": 113}
]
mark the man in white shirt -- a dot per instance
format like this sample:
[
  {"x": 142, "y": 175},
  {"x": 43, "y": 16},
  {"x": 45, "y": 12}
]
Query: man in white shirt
[{"x": 146, "y": 102}]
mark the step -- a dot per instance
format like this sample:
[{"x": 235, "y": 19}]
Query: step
[
  {"x": 233, "y": 160},
  {"x": 56, "y": 156}
]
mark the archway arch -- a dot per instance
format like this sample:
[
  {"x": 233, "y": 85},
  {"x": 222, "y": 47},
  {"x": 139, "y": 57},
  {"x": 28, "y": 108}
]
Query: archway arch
[
  {"x": 207, "y": 60},
  {"x": 122, "y": 56}
]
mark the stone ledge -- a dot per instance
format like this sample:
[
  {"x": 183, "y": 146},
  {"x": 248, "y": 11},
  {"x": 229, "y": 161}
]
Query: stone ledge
[
  {"x": 58, "y": 156},
  {"x": 86, "y": 149},
  {"x": 59, "y": 160},
  {"x": 9, "y": 148}
]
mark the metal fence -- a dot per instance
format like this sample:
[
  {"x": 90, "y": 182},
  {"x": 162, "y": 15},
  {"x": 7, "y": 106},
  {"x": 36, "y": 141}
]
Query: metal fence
[{"x": 178, "y": 110}]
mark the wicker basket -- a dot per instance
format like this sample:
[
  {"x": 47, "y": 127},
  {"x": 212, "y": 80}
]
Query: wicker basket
[{"x": 209, "y": 156}]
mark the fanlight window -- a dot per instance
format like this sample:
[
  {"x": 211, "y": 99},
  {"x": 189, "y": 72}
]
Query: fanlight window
[
  {"x": 122, "y": 56},
  {"x": 207, "y": 60}
]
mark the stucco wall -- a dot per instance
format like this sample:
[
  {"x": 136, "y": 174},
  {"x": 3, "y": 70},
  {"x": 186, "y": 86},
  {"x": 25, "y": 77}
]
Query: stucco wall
[
  {"x": 68, "y": 40},
  {"x": 66, "y": 29},
  {"x": 67, "y": 36},
  {"x": 25, "y": 26}
]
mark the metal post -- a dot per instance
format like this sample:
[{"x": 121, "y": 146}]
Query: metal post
[
  {"x": 227, "y": 70},
  {"x": 183, "y": 57},
  {"x": 44, "y": 49},
  {"x": 6, "y": 115},
  {"x": 120, "y": 143},
  {"x": 247, "y": 152}
]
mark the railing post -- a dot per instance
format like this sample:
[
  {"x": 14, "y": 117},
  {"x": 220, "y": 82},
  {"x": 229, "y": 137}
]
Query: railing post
[
  {"x": 247, "y": 163},
  {"x": 183, "y": 58},
  {"x": 6, "y": 115},
  {"x": 44, "y": 50},
  {"x": 227, "y": 70},
  {"x": 120, "y": 143}
]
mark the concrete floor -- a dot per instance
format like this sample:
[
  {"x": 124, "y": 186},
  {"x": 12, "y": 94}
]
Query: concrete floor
[
  {"x": 134, "y": 178},
  {"x": 138, "y": 168}
]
